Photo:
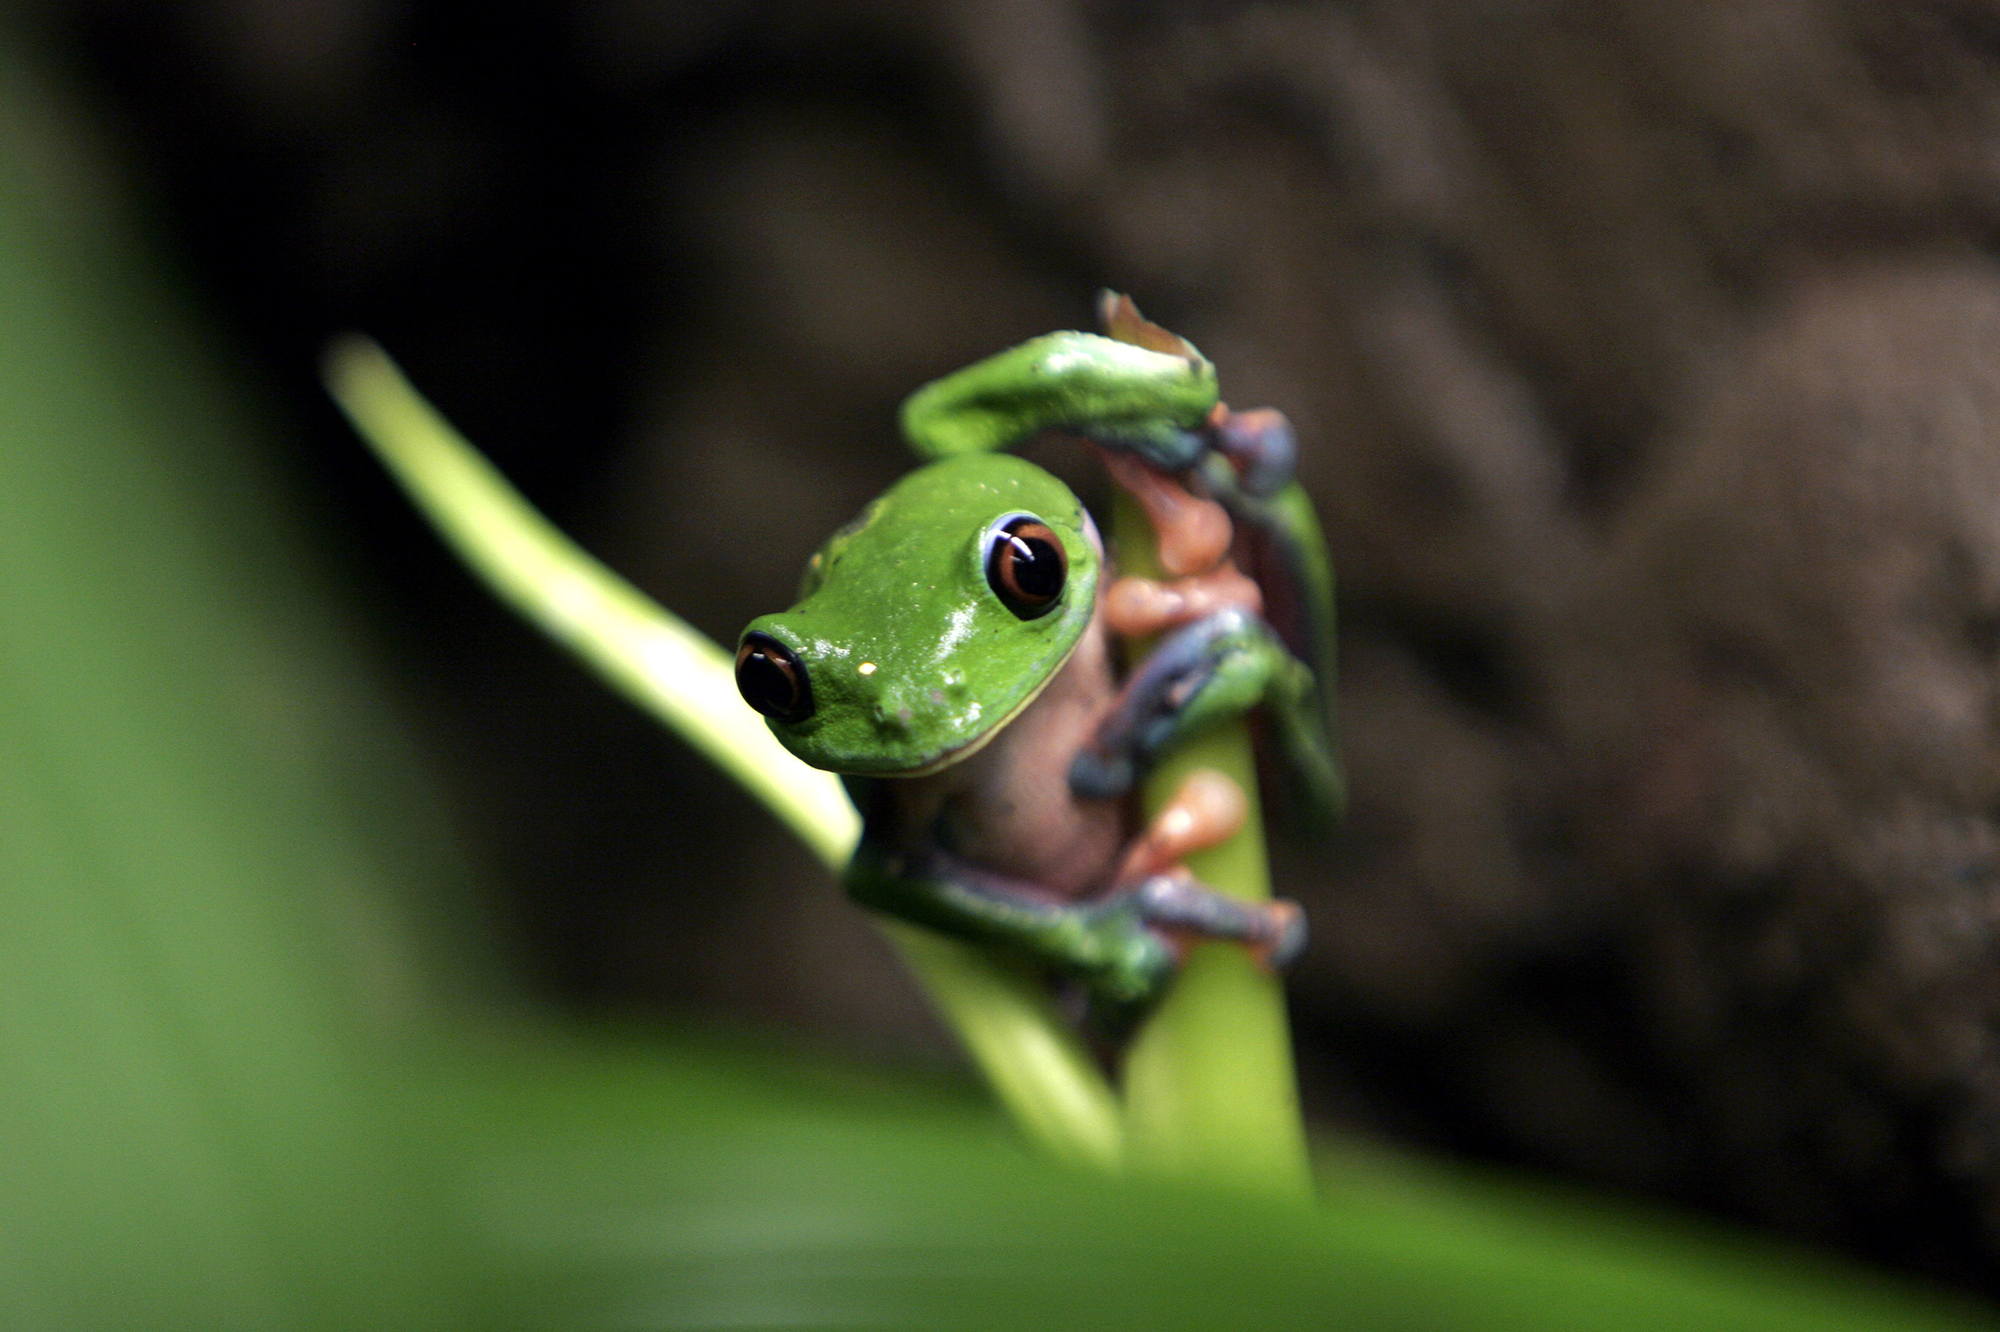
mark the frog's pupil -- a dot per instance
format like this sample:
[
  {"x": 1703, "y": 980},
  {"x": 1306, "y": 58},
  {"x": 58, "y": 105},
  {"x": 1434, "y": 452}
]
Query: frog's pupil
[
  {"x": 772, "y": 679},
  {"x": 1036, "y": 569},
  {"x": 1027, "y": 567}
]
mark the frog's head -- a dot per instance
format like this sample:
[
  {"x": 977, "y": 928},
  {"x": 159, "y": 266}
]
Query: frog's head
[{"x": 928, "y": 622}]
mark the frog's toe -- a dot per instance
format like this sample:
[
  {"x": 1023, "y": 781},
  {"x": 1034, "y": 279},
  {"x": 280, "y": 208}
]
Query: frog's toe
[
  {"x": 1093, "y": 776},
  {"x": 1261, "y": 446},
  {"x": 1286, "y": 923}
]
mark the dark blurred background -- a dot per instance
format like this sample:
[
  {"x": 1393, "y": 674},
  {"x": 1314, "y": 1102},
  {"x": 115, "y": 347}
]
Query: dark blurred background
[{"x": 1646, "y": 358}]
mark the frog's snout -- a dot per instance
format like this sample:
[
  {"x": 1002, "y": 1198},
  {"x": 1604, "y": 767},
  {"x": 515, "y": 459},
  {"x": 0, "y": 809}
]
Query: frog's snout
[{"x": 772, "y": 679}]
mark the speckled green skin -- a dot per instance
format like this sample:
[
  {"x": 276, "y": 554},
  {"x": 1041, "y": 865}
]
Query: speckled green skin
[
  {"x": 903, "y": 589},
  {"x": 1111, "y": 391}
]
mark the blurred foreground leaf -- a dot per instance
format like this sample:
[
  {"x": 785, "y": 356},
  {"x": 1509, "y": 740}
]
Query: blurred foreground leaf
[
  {"x": 231, "y": 1101},
  {"x": 788, "y": 1197},
  {"x": 196, "y": 956}
]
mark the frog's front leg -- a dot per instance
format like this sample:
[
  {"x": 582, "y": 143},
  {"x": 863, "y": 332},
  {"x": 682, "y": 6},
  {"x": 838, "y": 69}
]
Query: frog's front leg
[{"x": 1218, "y": 667}]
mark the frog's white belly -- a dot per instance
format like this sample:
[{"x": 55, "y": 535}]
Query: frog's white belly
[{"x": 1009, "y": 809}]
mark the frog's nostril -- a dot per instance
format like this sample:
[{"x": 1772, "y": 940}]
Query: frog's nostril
[{"x": 772, "y": 679}]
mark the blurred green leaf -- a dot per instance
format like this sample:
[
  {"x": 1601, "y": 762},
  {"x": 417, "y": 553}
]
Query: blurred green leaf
[
  {"x": 782, "y": 1199},
  {"x": 198, "y": 955}
]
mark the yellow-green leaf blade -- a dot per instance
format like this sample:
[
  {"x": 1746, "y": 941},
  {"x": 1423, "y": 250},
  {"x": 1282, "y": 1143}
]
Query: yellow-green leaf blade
[{"x": 645, "y": 652}]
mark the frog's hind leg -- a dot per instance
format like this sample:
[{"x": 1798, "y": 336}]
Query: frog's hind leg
[
  {"x": 1125, "y": 945},
  {"x": 1106, "y": 941},
  {"x": 1258, "y": 445}
]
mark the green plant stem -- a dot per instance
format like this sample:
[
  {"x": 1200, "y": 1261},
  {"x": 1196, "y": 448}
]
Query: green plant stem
[
  {"x": 1038, "y": 1070},
  {"x": 1209, "y": 1086},
  {"x": 1036, "y": 1066}
]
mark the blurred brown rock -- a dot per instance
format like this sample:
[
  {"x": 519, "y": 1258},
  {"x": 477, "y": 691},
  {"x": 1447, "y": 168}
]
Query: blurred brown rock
[{"x": 1787, "y": 680}]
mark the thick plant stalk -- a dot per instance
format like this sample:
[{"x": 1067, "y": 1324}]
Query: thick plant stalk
[
  {"x": 1037, "y": 1068},
  {"x": 1209, "y": 1086}
]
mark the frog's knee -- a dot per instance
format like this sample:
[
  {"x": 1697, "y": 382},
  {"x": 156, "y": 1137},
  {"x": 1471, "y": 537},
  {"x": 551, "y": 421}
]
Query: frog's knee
[
  {"x": 1094, "y": 776},
  {"x": 1134, "y": 961}
]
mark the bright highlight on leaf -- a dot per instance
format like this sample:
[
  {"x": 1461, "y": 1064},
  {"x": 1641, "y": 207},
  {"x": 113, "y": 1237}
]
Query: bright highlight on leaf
[{"x": 1044, "y": 1077}]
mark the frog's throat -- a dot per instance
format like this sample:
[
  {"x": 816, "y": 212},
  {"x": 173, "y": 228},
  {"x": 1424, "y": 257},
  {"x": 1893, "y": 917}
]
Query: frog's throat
[{"x": 972, "y": 747}]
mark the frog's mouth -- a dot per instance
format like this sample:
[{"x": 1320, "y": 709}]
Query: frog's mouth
[{"x": 971, "y": 747}]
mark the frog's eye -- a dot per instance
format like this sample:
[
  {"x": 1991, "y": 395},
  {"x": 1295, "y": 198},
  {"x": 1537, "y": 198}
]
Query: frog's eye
[
  {"x": 772, "y": 679},
  {"x": 1026, "y": 566}
]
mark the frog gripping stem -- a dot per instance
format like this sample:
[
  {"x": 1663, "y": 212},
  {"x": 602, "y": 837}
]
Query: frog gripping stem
[{"x": 955, "y": 651}]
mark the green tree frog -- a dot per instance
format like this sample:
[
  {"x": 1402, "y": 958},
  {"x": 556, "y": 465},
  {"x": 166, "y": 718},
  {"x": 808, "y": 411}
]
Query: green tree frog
[{"x": 955, "y": 652}]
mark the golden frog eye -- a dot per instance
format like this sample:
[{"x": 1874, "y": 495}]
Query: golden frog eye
[
  {"x": 772, "y": 679},
  {"x": 1026, "y": 567}
]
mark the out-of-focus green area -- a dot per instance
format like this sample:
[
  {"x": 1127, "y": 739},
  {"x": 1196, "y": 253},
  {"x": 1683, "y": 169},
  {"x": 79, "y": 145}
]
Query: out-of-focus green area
[{"x": 232, "y": 1094}]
